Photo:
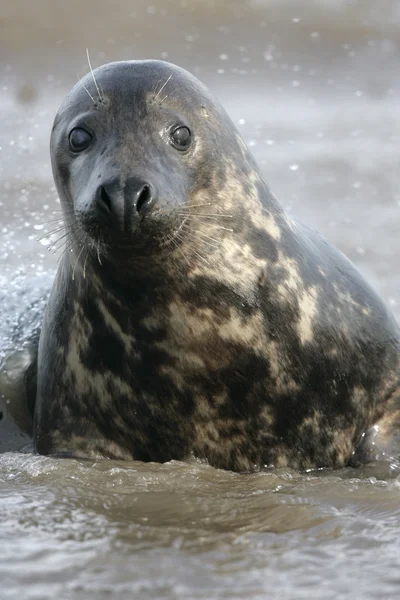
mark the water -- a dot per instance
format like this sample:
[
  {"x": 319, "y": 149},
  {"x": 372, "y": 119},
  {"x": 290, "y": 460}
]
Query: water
[{"x": 313, "y": 86}]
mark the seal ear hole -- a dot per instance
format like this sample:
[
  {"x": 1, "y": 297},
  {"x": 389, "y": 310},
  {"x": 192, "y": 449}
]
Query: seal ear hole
[{"x": 144, "y": 198}]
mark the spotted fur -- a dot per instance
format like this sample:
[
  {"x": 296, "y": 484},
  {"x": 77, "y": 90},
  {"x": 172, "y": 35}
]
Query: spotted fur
[{"x": 220, "y": 327}]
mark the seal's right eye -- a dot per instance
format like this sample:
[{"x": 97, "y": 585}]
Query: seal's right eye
[{"x": 79, "y": 139}]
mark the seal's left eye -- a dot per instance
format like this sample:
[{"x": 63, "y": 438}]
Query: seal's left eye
[
  {"x": 79, "y": 139},
  {"x": 181, "y": 137}
]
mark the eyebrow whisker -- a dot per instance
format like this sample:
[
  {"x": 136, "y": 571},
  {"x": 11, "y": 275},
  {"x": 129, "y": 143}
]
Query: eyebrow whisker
[
  {"x": 94, "y": 78},
  {"x": 86, "y": 90},
  {"x": 161, "y": 89}
]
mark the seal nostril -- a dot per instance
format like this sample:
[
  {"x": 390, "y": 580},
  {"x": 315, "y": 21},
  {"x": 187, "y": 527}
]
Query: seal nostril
[
  {"x": 144, "y": 198},
  {"x": 105, "y": 199}
]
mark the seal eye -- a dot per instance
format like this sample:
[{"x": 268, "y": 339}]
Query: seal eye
[
  {"x": 181, "y": 138},
  {"x": 79, "y": 139}
]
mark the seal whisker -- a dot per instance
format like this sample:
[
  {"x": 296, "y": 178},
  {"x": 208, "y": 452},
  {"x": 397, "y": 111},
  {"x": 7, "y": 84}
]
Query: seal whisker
[
  {"x": 64, "y": 252},
  {"x": 186, "y": 213},
  {"x": 213, "y": 226},
  {"x": 240, "y": 245},
  {"x": 54, "y": 250},
  {"x": 68, "y": 247},
  {"x": 195, "y": 217},
  {"x": 170, "y": 237},
  {"x": 58, "y": 220},
  {"x": 198, "y": 205},
  {"x": 76, "y": 263},
  {"x": 193, "y": 238},
  {"x": 57, "y": 241},
  {"x": 182, "y": 214},
  {"x": 94, "y": 78},
  {"x": 208, "y": 237},
  {"x": 98, "y": 253},
  {"x": 195, "y": 250},
  {"x": 86, "y": 90},
  {"x": 50, "y": 233},
  {"x": 171, "y": 240},
  {"x": 67, "y": 238},
  {"x": 217, "y": 243},
  {"x": 155, "y": 86},
  {"x": 59, "y": 226},
  {"x": 189, "y": 207},
  {"x": 161, "y": 89},
  {"x": 102, "y": 92},
  {"x": 55, "y": 223},
  {"x": 59, "y": 210},
  {"x": 202, "y": 235},
  {"x": 179, "y": 247},
  {"x": 84, "y": 264},
  {"x": 222, "y": 227}
]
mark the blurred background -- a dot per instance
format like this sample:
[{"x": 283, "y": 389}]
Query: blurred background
[{"x": 313, "y": 86}]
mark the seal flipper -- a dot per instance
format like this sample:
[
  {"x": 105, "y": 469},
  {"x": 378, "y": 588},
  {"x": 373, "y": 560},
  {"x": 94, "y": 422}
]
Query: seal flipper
[
  {"x": 31, "y": 383},
  {"x": 18, "y": 360},
  {"x": 381, "y": 442},
  {"x": 17, "y": 397}
]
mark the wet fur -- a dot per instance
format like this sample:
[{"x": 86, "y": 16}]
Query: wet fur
[{"x": 223, "y": 329}]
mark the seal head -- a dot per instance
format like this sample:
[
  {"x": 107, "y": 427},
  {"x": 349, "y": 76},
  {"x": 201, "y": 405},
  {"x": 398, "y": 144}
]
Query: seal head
[{"x": 128, "y": 162}]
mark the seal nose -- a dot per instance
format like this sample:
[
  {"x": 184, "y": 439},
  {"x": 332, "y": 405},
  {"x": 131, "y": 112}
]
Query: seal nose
[
  {"x": 121, "y": 207},
  {"x": 103, "y": 202},
  {"x": 143, "y": 199}
]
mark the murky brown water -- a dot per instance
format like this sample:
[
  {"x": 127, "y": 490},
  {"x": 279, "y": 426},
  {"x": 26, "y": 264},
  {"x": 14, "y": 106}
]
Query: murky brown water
[{"x": 314, "y": 87}]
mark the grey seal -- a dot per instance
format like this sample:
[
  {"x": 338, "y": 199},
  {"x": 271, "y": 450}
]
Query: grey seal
[{"x": 191, "y": 315}]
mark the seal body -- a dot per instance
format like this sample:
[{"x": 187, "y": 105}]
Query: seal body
[{"x": 192, "y": 316}]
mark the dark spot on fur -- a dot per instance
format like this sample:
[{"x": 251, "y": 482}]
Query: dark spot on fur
[
  {"x": 112, "y": 355},
  {"x": 207, "y": 293},
  {"x": 262, "y": 244}
]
